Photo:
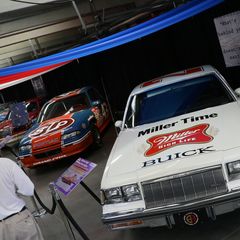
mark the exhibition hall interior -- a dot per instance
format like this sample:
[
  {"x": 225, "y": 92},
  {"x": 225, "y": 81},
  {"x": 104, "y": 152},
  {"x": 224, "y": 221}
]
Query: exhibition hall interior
[{"x": 125, "y": 115}]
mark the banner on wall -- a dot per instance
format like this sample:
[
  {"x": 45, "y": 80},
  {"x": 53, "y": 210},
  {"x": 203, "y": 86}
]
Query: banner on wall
[{"x": 228, "y": 31}]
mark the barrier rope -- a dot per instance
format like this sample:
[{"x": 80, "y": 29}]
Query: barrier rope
[
  {"x": 72, "y": 220},
  {"x": 61, "y": 204},
  {"x": 50, "y": 211}
]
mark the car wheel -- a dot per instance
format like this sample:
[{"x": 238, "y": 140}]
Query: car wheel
[{"x": 97, "y": 140}]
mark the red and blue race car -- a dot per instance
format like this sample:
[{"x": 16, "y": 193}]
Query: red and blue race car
[
  {"x": 67, "y": 125},
  {"x": 16, "y": 118}
]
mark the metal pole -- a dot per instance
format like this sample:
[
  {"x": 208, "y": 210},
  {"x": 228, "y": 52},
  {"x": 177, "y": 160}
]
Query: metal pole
[
  {"x": 2, "y": 98},
  {"x": 110, "y": 109},
  {"x": 38, "y": 212},
  {"x": 65, "y": 220},
  {"x": 33, "y": 48},
  {"x": 79, "y": 16},
  {"x": 11, "y": 62}
]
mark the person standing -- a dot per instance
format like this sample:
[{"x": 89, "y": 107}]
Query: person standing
[{"x": 16, "y": 221}]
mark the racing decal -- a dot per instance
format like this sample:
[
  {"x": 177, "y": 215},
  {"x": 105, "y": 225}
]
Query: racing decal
[
  {"x": 68, "y": 94},
  {"x": 51, "y": 127},
  {"x": 177, "y": 155},
  {"x": 185, "y": 72},
  {"x": 151, "y": 82},
  {"x": 101, "y": 113},
  {"x": 195, "y": 134},
  {"x": 173, "y": 124}
]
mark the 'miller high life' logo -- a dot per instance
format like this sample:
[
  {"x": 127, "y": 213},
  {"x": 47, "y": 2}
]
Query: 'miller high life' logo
[{"x": 195, "y": 134}]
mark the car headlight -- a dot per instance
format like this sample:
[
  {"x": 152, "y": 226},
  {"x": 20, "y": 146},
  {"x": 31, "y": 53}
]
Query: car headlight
[
  {"x": 234, "y": 169},
  {"x": 126, "y": 193},
  {"x": 114, "y": 195},
  {"x": 70, "y": 135},
  {"x": 131, "y": 193},
  {"x": 25, "y": 148}
]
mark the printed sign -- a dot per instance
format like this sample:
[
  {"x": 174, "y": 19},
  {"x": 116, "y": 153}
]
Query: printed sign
[
  {"x": 228, "y": 31},
  {"x": 195, "y": 134},
  {"x": 74, "y": 175}
]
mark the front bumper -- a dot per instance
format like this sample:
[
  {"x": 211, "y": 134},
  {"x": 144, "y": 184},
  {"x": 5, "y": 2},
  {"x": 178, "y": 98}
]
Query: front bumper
[
  {"x": 164, "y": 216},
  {"x": 67, "y": 151}
]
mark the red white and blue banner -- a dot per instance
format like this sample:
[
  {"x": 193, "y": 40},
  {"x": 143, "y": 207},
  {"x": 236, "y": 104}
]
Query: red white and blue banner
[{"x": 18, "y": 73}]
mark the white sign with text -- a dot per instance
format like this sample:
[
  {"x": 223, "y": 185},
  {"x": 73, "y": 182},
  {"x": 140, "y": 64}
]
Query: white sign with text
[{"x": 228, "y": 31}]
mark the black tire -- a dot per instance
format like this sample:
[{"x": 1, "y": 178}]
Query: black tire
[{"x": 97, "y": 139}]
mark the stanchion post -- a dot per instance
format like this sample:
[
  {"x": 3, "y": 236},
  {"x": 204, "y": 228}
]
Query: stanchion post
[
  {"x": 39, "y": 212},
  {"x": 65, "y": 220}
]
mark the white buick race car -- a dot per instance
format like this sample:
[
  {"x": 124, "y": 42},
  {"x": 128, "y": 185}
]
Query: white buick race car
[{"x": 177, "y": 156}]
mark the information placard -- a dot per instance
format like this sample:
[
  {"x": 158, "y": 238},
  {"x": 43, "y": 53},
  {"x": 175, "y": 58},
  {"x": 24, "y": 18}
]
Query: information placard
[
  {"x": 74, "y": 175},
  {"x": 228, "y": 31}
]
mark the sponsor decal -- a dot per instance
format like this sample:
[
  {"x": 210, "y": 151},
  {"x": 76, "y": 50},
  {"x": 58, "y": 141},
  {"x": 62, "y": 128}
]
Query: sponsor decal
[
  {"x": 51, "y": 127},
  {"x": 195, "y": 134},
  {"x": 191, "y": 218},
  {"x": 46, "y": 143},
  {"x": 173, "y": 124},
  {"x": 177, "y": 155}
]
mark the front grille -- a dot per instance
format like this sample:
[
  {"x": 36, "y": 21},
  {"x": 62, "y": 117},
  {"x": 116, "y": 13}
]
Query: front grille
[
  {"x": 48, "y": 153},
  {"x": 184, "y": 188}
]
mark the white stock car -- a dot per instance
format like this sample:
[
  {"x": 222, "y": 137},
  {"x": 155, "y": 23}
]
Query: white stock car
[{"x": 177, "y": 156}]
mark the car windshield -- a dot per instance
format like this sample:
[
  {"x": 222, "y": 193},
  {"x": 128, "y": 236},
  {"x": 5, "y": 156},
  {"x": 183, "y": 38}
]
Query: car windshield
[
  {"x": 63, "y": 106},
  {"x": 3, "y": 114},
  {"x": 177, "y": 99}
]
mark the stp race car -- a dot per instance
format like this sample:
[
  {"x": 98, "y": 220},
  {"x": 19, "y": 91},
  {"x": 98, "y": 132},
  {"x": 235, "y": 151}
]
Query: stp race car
[
  {"x": 67, "y": 125},
  {"x": 177, "y": 156}
]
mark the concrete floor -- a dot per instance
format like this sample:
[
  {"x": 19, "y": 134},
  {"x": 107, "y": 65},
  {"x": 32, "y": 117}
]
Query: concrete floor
[{"x": 87, "y": 212}]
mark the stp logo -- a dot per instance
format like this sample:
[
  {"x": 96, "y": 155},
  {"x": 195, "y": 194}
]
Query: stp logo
[
  {"x": 51, "y": 127},
  {"x": 191, "y": 218},
  {"x": 195, "y": 134}
]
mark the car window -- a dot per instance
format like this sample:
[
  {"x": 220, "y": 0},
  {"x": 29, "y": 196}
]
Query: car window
[
  {"x": 64, "y": 106},
  {"x": 179, "y": 98},
  {"x": 31, "y": 106}
]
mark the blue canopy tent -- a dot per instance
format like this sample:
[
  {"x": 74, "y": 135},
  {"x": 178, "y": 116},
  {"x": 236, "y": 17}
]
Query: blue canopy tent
[{"x": 11, "y": 75}]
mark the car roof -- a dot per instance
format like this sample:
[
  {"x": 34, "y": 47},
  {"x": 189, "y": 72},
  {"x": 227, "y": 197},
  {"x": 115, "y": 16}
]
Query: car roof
[
  {"x": 70, "y": 94},
  {"x": 173, "y": 77}
]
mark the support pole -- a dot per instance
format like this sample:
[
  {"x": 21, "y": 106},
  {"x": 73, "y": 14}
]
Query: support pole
[
  {"x": 65, "y": 220},
  {"x": 38, "y": 212},
  {"x": 110, "y": 109},
  {"x": 79, "y": 16},
  {"x": 33, "y": 48}
]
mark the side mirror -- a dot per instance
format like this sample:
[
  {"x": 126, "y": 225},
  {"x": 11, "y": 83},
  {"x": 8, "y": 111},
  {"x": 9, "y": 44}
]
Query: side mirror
[
  {"x": 237, "y": 91},
  {"x": 118, "y": 124}
]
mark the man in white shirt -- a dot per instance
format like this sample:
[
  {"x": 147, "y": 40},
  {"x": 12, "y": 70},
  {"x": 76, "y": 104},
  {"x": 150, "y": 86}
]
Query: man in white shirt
[{"x": 16, "y": 222}]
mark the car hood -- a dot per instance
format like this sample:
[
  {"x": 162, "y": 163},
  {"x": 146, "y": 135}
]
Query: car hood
[
  {"x": 49, "y": 132},
  {"x": 183, "y": 143}
]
